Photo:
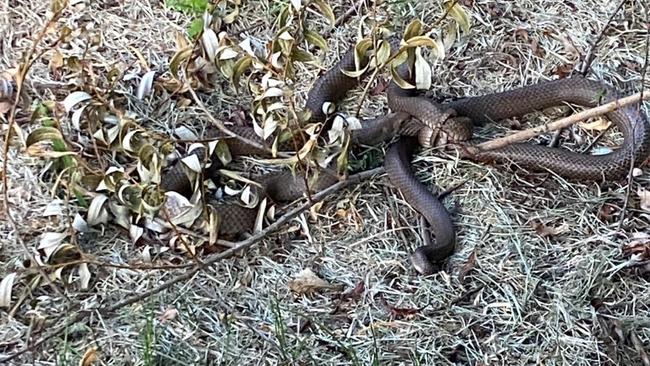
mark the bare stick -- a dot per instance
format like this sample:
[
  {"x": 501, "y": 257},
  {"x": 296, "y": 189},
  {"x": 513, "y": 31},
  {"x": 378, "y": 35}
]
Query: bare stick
[
  {"x": 639, "y": 106},
  {"x": 590, "y": 54},
  {"x": 561, "y": 123},
  {"x": 348, "y": 13},
  {"x": 210, "y": 260}
]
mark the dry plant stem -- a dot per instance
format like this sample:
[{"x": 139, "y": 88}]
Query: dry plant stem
[
  {"x": 595, "y": 141},
  {"x": 20, "y": 80},
  {"x": 643, "y": 74},
  {"x": 210, "y": 260},
  {"x": 561, "y": 123},
  {"x": 348, "y": 13},
  {"x": 590, "y": 54}
]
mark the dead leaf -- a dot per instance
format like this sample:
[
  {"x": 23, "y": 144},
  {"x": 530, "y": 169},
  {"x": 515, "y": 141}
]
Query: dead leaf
[
  {"x": 89, "y": 357},
  {"x": 571, "y": 51},
  {"x": 521, "y": 32},
  {"x": 537, "y": 50},
  {"x": 355, "y": 293},
  {"x": 84, "y": 275},
  {"x": 639, "y": 245},
  {"x": 599, "y": 124},
  {"x": 549, "y": 231},
  {"x": 307, "y": 282},
  {"x": 169, "y": 314},
  {"x": 639, "y": 347},
  {"x": 564, "y": 70},
  {"x": 468, "y": 266},
  {"x": 56, "y": 62},
  {"x": 5, "y": 107},
  {"x": 400, "y": 313},
  {"x": 6, "y": 286},
  {"x": 607, "y": 211}
]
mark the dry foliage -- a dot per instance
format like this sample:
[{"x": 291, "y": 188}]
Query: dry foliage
[{"x": 543, "y": 273}]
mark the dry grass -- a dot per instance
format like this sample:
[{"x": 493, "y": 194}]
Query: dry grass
[{"x": 527, "y": 299}]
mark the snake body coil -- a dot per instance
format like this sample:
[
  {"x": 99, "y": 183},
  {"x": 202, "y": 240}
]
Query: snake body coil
[{"x": 334, "y": 84}]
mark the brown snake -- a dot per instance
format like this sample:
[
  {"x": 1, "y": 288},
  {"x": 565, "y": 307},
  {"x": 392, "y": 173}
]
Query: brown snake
[{"x": 333, "y": 85}]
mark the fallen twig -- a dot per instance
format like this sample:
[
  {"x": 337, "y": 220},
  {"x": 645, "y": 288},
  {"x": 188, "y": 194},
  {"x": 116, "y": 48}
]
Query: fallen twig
[
  {"x": 561, "y": 123},
  {"x": 590, "y": 54}
]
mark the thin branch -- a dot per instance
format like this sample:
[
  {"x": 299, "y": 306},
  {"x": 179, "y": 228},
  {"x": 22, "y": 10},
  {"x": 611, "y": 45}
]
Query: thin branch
[
  {"x": 20, "y": 80},
  {"x": 590, "y": 54},
  {"x": 348, "y": 13},
  {"x": 639, "y": 106},
  {"x": 561, "y": 123},
  {"x": 209, "y": 261}
]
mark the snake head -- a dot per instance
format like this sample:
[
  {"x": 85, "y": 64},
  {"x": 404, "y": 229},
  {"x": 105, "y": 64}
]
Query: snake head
[{"x": 423, "y": 264}]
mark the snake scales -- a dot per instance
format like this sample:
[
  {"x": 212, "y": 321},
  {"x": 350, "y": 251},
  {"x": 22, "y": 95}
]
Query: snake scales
[{"x": 410, "y": 112}]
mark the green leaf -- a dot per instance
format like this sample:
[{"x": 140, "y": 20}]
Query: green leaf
[
  {"x": 223, "y": 152},
  {"x": 43, "y": 134},
  {"x": 383, "y": 53},
  {"x": 326, "y": 11},
  {"x": 425, "y": 41},
  {"x": 195, "y": 7},
  {"x": 285, "y": 16},
  {"x": 239, "y": 68},
  {"x": 301, "y": 55},
  {"x": 316, "y": 40},
  {"x": 179, "y": 57},
  {"x": 360, "y": 50},
  {"x": 355, "y": 73},
  {"x": 421, "y": 41},
  {"x": 195, "y": 28}
]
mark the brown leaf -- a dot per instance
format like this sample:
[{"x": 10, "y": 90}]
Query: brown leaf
[
  {"x": 639, "y": 347},
  {"x": 380, "y": 87},
  {"x": 607, "y": 211},
  {"x": 521, "y": 32},
  {"x": 56, "y": 62},
  {"x": 537, "y": 50},
  {"x": 564, "y": 70},
  {"x": 468, "y": 266},
  {"x": 307, "y": 282},
  {"x": 355, "y": 293},
  {"x": 5, "y": 107},
  {"x": 548, "y": 231},
  {"x": 640, "y": 245},
  {"x": 571, "y": 51},
  {"x": 89, "y": 357},
  {"x": 400, "y": 313},
  {"x": 169, "y": 314}
]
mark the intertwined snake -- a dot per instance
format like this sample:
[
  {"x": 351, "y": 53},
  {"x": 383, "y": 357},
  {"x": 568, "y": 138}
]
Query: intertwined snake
[{"x": 411, "y": 116}]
